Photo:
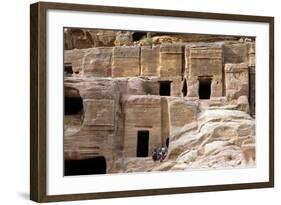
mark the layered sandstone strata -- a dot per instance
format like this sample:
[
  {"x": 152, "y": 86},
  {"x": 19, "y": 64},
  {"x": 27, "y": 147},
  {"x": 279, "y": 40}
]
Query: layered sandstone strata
[{"x": 193, "y": 94}]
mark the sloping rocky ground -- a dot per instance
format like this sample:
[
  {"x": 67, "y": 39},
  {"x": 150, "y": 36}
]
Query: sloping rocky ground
[{"x": 220, "y": 138}]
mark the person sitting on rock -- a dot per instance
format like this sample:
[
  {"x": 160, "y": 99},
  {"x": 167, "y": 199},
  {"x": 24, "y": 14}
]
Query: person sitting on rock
[
  {"x": 155, "y": 154},
  {"x": 162, "y": 154}
]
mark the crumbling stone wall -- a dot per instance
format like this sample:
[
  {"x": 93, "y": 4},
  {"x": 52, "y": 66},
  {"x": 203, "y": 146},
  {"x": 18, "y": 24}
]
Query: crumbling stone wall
[
  {"x": 236, "y": 80},
  {"x": 97, "y": 62},
  {"x": 98, "y": 134},
  {"x": 235, "y": 53},
  {"x": 142, "y": 113},
  {"x": 170, "y": 63},
  {"x": 181, "y": 112},
  {"x": 205, "y": 62},
  {"x": 150, "y": 61},
  {"x": 126, "y": 61},
  {"x": 119, "y": 83},
  {"x": 74, "y": 58}
]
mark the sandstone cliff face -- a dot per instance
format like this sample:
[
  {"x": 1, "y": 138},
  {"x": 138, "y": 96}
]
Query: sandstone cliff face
[{"x": 194, "y": 94}]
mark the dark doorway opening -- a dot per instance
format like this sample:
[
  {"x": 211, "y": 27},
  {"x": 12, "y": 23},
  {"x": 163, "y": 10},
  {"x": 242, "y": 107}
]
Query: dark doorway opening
[
  {"x": 142, "y": 143},
  {"x": 68, "y": 70},
  {"x": 205, "y": 88},
  {"x": 73, "y": 105},
  {"x": 167, "y": 142},
  {"x": 165, "y": 88},
  {"x": 96, "y": 165},
  {"x": 184, "y": 88},
  {"x": 139, "y": 35}
]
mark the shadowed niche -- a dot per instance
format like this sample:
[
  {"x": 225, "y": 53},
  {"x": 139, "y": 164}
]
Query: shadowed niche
[
  {"x": 73, "y": 103},
  {"x": 138, "y": 36},
  {"x": 184, "y": 88},
  {"x": 205, "y": 88},
  {"x": 95, "y": 165}
]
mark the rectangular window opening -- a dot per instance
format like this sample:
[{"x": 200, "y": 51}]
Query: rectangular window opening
[{"x": 165, "y": 88}]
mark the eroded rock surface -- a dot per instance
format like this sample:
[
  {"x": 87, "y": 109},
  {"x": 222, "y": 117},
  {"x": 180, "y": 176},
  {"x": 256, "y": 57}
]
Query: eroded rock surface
[
  {"x": 127, "y": 93},
  {"x": 218, "y": 141}
]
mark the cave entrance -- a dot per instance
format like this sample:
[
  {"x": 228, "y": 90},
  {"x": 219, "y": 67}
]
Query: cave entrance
[
  {"x": 73, "y": 105},
  {"x": 205, "y": 88},
  {"x": 165, "y": 88},
  {"x": 137, "y": 36},
  {"x": 68, "y": 70},
  {"x": 142, "y": 143},
  {"x": 95, "y": 165}
]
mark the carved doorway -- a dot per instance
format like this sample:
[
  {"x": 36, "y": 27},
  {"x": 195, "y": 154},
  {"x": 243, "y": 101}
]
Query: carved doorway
[
  {"x": 142, "y": 143},
  {"x": 205, "y": 88}
]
